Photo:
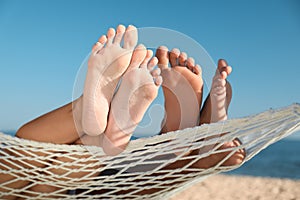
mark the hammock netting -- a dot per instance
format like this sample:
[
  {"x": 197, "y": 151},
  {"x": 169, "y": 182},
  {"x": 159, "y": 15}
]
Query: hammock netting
[{"x": 149, "y": 168}]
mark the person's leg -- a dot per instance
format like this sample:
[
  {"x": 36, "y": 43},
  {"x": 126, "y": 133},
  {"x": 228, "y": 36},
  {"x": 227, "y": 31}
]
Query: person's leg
[
  {"x": 84, "y": 167},
  {"x": 215, "y": 109},
  {"x": 60, "y": 118},
  {"x": 136, "y": 92},
  {"x": 182, "y": 87},
  {"x": 60, "y": 126},
  {"x": 221, "y": 92},
  {"x": 10, "y": 181},
  {"x": 64, "y": 125},
  {"x": 107, "y": 63},
  {"x": 57, "y": 126}
]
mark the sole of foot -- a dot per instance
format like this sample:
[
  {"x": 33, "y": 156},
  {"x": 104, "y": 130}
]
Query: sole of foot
[
  {"x": 107, "y": 63},
  {"x": 138, "y": 89},
  {"x": 182, "y": 87}
]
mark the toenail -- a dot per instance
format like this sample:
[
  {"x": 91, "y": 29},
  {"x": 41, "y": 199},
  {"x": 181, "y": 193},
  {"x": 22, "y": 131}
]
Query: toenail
[
  {"x": 121, "y": 28},
  {"x": 163, "y": 48},
  {"x": 131, "y": 26},
  {"x": 175, "y": 50}
]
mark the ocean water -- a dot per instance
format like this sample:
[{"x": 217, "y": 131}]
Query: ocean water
[{"x": 279, "y": 160}]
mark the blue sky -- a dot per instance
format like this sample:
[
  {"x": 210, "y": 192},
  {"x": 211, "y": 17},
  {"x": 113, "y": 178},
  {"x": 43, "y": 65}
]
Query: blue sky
[{"x": 42, "y": 44}]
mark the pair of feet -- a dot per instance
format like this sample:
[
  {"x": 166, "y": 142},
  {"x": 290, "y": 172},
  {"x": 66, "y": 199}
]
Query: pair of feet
[
  {"x": 109, "y": 114},
  {"x": 116, "y": 114}
]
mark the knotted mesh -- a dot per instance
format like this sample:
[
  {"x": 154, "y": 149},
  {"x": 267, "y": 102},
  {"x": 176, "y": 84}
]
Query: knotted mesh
[{"x": 150, "y": 168}]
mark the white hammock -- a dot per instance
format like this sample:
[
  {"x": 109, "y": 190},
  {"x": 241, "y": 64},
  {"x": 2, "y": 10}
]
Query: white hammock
[{"x": 142, "y": 166}]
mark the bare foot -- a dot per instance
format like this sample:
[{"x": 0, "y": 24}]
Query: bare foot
[
  {"x": 216, "y": 105},
  {"x": 221, "y": 92},
  {"x": 107, "y": 63},
  {"x": 182, "y": 87},
  {"x": 138, "y": 89}
]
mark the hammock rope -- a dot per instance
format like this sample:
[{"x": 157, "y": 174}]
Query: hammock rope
[{"x": 143, "y": 170}]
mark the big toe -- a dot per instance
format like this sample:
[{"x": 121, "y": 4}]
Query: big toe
[
  {"x": 222, "y": 63},
  {"x": 223, "y": 68},
  {"x": 162, "y": 54},
  {"x": 130, "y": 37}
]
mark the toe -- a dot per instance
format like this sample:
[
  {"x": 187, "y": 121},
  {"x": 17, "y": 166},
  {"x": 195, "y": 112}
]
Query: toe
[
  {"x": 130, "y": 37},
  {"x": 163, "y": 57},
  {"x": 221, "y": 74},
  {"x": 153, "y": 62},
  {"x": 155, "y": 72},
  {"x": 190, "y": 63},
  {"x": 138, "y": 57},
  {"x": 147, "y": 58},
  {"x": 99, "y": 44},
  {"x": 119, "y": 34},
  {"x": 223, "y": 67},
  {"x": 224, "y": 75},
  {"x": 182, "y": 59},
  {"x": 102, "y": 39},
  {"x": 228, "y": 70},
  {"x": 174, "y": 54},
  {"x": 97, "y": 47},
  {"x": 222, "y": 63},
  {"x": 197, "y": 70},
  {"x": 158, "y": 80},
  {"x": 110, "y": 36}
]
